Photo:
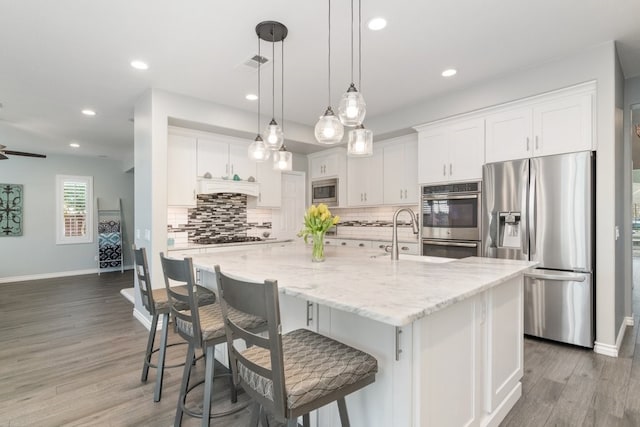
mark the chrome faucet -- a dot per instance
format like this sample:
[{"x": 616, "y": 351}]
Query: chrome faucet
[{"x": 394, "y": 237}]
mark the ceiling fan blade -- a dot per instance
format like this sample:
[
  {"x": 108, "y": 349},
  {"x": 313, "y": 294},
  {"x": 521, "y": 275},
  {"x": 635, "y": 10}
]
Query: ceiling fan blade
[
  {"x": 3, "y": 157},
  {"x": 21, "y": 153}
]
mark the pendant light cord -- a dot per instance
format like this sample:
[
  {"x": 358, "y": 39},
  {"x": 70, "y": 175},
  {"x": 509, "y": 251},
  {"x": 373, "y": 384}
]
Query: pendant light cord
[
  {"x": 329, "y": 61},
  {"x": 352, "y": 41},
  {"x": 259, "y": 67},
  {"x": 282, "y": 87},
  {"x": 273, "y": 72},
  {"x": 359, "y": 45}
]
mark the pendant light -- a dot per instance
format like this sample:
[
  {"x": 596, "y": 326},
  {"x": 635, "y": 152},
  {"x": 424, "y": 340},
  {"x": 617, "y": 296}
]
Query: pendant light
[
  {"x": 282, "y": 159},
  {"x": 273, "y": 32},
  {"x": 360, "y": 139},
  {"x": 329, "y": 130},
  {"x": 258, "y": 151},
  {"x": 352, "y": 107}
]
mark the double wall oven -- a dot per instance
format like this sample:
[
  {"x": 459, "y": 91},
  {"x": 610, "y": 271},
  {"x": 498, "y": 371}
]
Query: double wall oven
[{"x": 451, "y": 220}]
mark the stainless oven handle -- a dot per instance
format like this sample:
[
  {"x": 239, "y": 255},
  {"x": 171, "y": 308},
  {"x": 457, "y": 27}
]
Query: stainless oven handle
[
  {"x": 450, "y": 196},
  {"x": 457, "y": 244},
  {"x": 555, "y": 277}
]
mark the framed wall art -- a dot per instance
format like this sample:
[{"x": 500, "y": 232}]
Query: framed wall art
[{"x": 10, "y": 210}]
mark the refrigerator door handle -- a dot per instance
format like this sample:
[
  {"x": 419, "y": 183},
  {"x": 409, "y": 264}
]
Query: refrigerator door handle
[
  {"x": 524, "y": 227},
  {"x": 555, "y": 277},
  {"x": 531, "y": 213}
]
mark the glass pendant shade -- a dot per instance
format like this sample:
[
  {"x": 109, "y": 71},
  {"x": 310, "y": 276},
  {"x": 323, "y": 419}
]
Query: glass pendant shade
[
  {"x": 329, "y": 130},
  {"x": 360, "y": 142},
  {"x": 352, "y": 107},
  {"x": 273, "y": 136},
  {"x": 258, "y": 151},
  {"x": 282, "y": 160}
]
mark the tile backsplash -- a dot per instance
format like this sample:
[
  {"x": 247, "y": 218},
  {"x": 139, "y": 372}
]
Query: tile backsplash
[
  {"x": 220, "y": 214},
  {"x": 374, "y": 223}
]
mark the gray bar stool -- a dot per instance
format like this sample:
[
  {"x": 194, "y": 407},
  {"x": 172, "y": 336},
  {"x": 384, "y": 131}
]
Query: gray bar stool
[
  {"x": 157, "y": 304},
  {"x": 202, "y": 327},
  {"x": 292, "y": 374}
]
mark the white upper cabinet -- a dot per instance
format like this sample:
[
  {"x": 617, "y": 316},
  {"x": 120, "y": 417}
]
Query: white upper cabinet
[
  {"x": 400, "y": 171},
  {"x": 558, "y": 123},
  {"x": 564, "y": 125},
  {"x": 325, "y": 165},
  {"x": 451, "y": 152},
  {"x": 365, "y": 179},
  {"x": 224, "y": 156},
  {"x": 270, "y": 183},
  {"x": 181, "y": 171},
  {"x": 509, "y": 135}
]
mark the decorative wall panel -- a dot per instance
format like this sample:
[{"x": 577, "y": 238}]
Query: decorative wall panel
[{"x": 11, "y": 209}]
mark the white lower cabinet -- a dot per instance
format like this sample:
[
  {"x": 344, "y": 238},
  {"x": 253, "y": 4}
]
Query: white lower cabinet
[{"x": 460, "y": 366}]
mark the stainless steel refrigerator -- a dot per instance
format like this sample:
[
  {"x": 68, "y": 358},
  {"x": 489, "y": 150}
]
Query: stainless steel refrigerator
[{"x": 542, "y": 209}]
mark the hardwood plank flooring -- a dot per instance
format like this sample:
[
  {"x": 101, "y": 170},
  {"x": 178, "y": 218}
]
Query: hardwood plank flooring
[{"x": 71, "y": 355}]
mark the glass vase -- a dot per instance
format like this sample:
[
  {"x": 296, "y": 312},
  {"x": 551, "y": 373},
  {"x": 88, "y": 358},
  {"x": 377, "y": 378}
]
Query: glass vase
[{"x": 317, "y": 253}]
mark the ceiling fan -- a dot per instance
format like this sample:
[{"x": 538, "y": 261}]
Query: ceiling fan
[{"x": 3, "y": 153}]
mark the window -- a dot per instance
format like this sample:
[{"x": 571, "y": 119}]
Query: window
[{"x": 74, "y": 209}]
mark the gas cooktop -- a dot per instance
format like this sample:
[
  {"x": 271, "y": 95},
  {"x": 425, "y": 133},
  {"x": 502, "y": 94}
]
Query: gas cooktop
[{"x": 212, "y": 240}]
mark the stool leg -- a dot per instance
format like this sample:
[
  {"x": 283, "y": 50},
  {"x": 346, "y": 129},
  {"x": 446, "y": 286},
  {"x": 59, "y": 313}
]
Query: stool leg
[
  {"x": 208, "y": 385},
  {"x": 305, "y": 420},
  {"x": 147, "y": 355},
  {"x": 161, "y": 356},
  {"x": 183, "y": 387},
  {"x": 342, "y": 409},
  {"x": 255, "y": 415}
]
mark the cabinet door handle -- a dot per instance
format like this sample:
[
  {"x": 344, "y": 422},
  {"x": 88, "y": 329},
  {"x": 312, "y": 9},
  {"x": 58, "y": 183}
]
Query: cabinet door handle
[
  {"x": 309, "y": 313},
  {"x": 404, "y": 248},
  {"x": 361, "y": 197},
  {"x": 328, "y": 242},
  {"x": 381, "y": 246},
  {"x": 444, "y": 169},
  {"x": 537, "y": 147},
  {"x": 344, "y": 243},
  {"x": 259, "y": 197},
  {"x": 401, "y": 193},
  {"x": 232, "y": 169},
  {"x": 365, "y": 197},
  {"x": 194, "y": 194},
  {"x": 527, "y": 143},
  {"x": 405, "y": 193},
  {"x": 361, "y": 245},
  {"x": 450, "y": 169}
]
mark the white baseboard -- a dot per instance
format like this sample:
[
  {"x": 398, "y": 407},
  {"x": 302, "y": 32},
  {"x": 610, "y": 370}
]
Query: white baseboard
[
  {"x": 613, "y": 350},
  {"x": 129, "y": 294},
  {"x": 500, "y": 413},
  {"x": 143, "y": 317},
  {"x": 56, "y": 274}
]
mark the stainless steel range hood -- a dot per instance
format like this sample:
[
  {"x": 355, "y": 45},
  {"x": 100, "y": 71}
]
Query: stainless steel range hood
[{"x": 209, "y": 186}]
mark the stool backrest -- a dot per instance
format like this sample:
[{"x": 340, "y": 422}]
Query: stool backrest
[
  {"x": 144, "y": 281},
  {"x": 261, "y": 300},
  {"x": 176, "y": 273}
]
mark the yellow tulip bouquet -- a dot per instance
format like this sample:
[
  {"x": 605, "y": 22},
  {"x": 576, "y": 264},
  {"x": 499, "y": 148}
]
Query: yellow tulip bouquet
[{"x": 317, "y": 220}]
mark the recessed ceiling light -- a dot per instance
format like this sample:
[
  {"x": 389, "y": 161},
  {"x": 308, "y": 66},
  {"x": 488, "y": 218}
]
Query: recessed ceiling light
[
  {"x": 139, "y": 65},
  {"x": 251, "y": 97},
  {"x": 449, "y": 72},
  {"x": 376, "y": 24},
  {"x": 88, "y": 112},
  {"x": 74, "y": 145}
]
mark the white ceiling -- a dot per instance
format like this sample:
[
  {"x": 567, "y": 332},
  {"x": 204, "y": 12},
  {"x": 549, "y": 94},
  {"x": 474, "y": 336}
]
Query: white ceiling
[{"x": 58, "y": 57}]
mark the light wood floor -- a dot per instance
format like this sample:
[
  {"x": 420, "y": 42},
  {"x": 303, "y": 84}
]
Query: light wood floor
[{"x": 71, "y": 352}]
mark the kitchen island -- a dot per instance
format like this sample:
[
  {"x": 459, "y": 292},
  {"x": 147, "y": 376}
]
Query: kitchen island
[{"x": 447, "y": 335}]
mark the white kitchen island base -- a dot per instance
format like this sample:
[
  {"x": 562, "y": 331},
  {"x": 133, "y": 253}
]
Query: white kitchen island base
[
  {"x": 460, "y": 366},
  {"x": 448, "y": 337}
]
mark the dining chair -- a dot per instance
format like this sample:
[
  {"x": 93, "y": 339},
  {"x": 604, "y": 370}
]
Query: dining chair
[
  {"x": 287, "y": 375},
  {"x": 157, "y": 304},
  {"x": 202, "y": 327}
]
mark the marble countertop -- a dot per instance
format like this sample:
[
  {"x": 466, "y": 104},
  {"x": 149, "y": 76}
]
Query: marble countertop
[
  {"x": 222, "y": 245},
  {"x": 366, "y": 282}
]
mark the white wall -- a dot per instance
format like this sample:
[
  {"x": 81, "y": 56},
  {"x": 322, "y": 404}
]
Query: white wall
[
  {"x": 35, "y": 253},
  {"x": 598, "y": 63}
]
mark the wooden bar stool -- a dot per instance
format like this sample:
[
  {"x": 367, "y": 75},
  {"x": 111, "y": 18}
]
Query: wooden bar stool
[
  {"x": 202, "y": 327},
  {"x": 288, "y": 375},
  {"x": 157, "y": 304}
]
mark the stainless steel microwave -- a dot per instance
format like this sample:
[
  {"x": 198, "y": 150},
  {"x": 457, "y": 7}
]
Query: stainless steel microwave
[{"x": 325, "y": 191}]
